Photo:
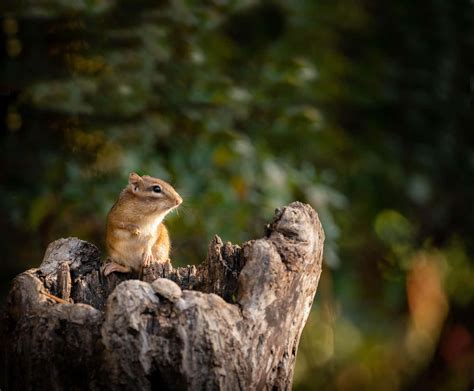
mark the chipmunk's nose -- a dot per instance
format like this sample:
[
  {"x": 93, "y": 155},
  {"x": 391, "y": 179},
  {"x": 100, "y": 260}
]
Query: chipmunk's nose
[{"x": 179, "y": 200}]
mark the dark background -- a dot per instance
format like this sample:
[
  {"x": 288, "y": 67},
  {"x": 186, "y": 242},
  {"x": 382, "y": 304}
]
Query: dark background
[{"x": 361, "y": 108}]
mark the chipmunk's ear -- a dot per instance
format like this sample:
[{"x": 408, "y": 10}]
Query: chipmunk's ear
[{"x": 134, "y": 181}]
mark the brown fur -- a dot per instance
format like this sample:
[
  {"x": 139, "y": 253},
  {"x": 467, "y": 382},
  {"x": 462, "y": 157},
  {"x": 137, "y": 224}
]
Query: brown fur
[{"x": 136, "y": 234}]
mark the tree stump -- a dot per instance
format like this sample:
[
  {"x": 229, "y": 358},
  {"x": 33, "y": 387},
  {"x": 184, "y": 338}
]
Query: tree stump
[{"x": 232, "y": 323}]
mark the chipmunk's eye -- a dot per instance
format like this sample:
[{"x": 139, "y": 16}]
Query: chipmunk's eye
[{"x": 156, "y": 189}]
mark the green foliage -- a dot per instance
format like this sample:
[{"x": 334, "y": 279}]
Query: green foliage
[{"x": 244, "y": 106}]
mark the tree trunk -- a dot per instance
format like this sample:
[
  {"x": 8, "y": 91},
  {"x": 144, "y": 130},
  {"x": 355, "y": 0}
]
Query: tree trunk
[{"x": 231, "y": 323}]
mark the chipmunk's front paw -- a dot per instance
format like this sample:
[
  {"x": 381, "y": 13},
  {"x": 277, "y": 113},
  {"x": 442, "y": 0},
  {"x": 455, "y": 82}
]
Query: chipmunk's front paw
[{"x": 148, "y": 258}]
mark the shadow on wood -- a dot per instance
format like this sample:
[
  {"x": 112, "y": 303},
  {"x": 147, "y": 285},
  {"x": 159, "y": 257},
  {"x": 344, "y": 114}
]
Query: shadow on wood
[{"x": 231, "y": 323}]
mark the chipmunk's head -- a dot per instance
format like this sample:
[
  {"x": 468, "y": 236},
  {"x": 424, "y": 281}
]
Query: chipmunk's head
[{"x": 159, "y": 194}]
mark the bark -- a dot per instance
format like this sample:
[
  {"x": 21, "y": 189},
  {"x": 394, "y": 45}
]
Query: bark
[{"x": 231, "y": 323}]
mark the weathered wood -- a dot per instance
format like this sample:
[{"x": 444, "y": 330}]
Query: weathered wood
[{"x": 233, "y": 322}]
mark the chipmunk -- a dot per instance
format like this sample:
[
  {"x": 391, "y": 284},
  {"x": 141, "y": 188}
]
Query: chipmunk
[{"x": 136, "y": 235}]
